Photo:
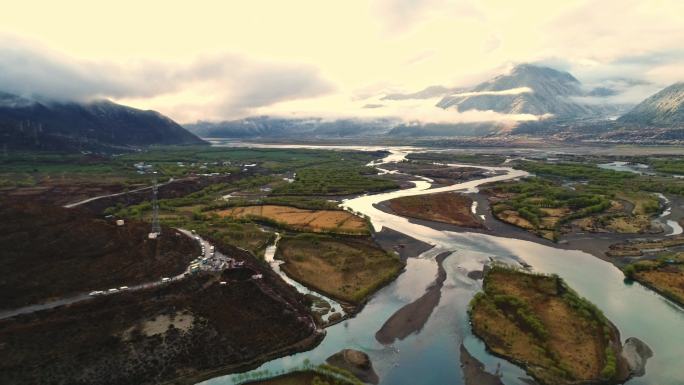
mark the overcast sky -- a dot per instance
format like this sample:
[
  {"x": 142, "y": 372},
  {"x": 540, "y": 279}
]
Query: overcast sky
[{"x": 214, "y": 60}]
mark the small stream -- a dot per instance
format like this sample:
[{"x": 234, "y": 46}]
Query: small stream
[
  {"x": 431, "y": 356},
  {"x": 675, "y": 228},
  {"x": 269, "y": 256}
]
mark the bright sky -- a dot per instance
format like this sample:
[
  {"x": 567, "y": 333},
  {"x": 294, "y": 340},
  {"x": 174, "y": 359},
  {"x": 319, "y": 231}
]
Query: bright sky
[{"x": 228, "y": 59}]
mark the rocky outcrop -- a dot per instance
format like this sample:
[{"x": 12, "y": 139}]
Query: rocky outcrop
[
  {"x": 636, "y": 353},
  {"x": 356, "y": 362}
]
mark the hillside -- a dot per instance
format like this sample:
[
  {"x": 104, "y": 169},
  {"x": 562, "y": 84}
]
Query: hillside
[
  {"x": 665, "y": 108},
  {"x": 44, "y": 247},
  {"x": 100, "y": 125}
]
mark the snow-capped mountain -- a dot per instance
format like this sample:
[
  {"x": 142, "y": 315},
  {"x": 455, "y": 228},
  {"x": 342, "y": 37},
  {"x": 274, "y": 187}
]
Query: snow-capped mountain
[
  {"x": 664, "y": 108},
  {"x": 527, "y": 89}
]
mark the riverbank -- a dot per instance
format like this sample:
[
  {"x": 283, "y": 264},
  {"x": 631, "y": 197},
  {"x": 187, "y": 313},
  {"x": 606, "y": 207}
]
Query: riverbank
[{"x": 664, "y": 274}]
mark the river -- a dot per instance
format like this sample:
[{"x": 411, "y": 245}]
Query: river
[{"x": 431, "y": 356}]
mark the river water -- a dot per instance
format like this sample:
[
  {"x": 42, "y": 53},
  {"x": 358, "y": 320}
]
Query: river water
[{"x": 431, "y": 356}]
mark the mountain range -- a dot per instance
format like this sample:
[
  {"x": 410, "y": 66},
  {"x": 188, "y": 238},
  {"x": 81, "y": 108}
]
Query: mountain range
[
  {"x": 556, "y": 98},
  {"x": 562, "y": 105},
  {"x": 275, "y": 127},
  {"x": 32, "y": 123}
]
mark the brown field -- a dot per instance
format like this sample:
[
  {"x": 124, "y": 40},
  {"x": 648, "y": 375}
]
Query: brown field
[
  {"x": 539, "y": 323},
  {"x": 446, "y": 207},
  {"x": 670, "y": 281},
  {"x": 309, "y": 220},
  {"x": 344, "y": 268},
  {"x": 513, "y": 218},
  {"x": 664, "y": 275}
]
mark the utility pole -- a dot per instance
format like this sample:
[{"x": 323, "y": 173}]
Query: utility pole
[{"x": 156, "y": 227}]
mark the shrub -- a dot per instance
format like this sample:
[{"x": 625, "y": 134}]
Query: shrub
[{"x": 610, "y": 368}]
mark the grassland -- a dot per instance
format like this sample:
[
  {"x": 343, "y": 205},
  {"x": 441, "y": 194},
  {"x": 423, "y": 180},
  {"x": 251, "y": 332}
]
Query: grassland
[
  {"x": 570, "y": 194},
  {"x": 335, "y": 180},
  {"x": 257, "y": 196},
  {"x": 667, "y": 165},
  {"x": 334, "y": 221},
  {"x": 26, "y": 169},
  {"x": 538, "y": 322},
  {"x": 348, "y": 269},
  {"x": 447, "y": 207},
  {"x": 664, "y": 275},
  {"x": 446, "y": 157}
]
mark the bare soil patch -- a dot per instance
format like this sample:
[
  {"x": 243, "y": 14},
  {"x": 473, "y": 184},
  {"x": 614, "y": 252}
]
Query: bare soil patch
[{"x": 451, "y": 208}]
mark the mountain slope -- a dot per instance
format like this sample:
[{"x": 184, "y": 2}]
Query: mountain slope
[
  {"x": 664, "y": 108},
  {"x": 548, "y": 92},
  {"x": 426, "y": 93},
  {"x": 32, "y": 124}
]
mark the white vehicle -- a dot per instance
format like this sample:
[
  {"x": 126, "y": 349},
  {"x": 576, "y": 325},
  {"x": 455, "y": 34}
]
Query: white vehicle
[
  {"x": 211, "y": 248},
  {"x": 122, "y": 288},
  {"x": 94, "y": 293},
  {"x": 166, "y": 279},
  {"x": 112, "y": 291}
]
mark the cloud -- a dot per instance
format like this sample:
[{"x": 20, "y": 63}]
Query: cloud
[
  {"x": 400, "y": 16},
  {"x": 258, "y": 85},
  {"x": 409, "y": 111},
  {"x": 28, "y": 71},
  {"x": 511, "y": 91},
  {"x": 225, "y": 60},
  {"x": 235, "y": 83}
]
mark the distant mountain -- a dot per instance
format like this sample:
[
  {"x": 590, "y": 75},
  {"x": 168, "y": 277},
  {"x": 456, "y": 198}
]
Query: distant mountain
[
  {"x": 549, "y": 91},
  {"x": 274, "y": 127},
  {"x": 476, "y": 129},
  {"x": 27, "y": 123},
  {"x": 665, "y": 108},
  {"x": 427, "y": 93}
]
